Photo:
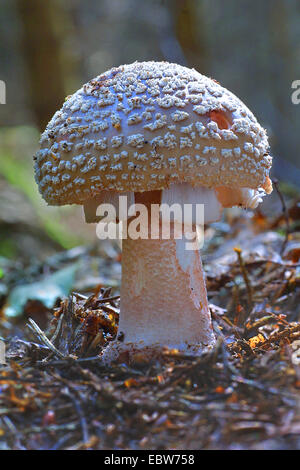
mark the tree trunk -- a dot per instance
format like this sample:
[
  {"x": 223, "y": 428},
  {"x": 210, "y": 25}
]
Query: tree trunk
[
  {"x": 190, "y": 32},
  {"x": 41, "y": 50}
]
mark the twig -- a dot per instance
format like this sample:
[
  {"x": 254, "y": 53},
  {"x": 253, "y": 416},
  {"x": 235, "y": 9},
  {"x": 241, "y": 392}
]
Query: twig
[
  {"x": 74, "y": 361},
  {"x": 259, "y": 386},
  {"x": 286, "y": 333},
  {"x": 58, "y": 329},
  {"x": 245, "y": 276},
  {"x": 36, "y": 329},
  {"x": 107, "y": 299},
  {"x": 78, "y": 408},
  {"x": 251, "y": 328},
  {"x": 285, "y": 213}
]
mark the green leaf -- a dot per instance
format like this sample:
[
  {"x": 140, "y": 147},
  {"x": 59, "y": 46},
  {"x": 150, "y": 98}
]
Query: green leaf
[{"x": 46, "y": 291}]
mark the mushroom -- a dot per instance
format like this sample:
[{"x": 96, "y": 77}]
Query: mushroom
[{"x": 158, "y": 133}]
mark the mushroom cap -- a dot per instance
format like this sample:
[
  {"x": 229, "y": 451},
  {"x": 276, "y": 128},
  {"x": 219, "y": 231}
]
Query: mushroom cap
[{"x": 147, "y": 125}]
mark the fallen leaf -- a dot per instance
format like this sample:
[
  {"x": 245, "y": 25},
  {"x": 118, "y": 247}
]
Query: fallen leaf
[{"x": 47, "y": 291}]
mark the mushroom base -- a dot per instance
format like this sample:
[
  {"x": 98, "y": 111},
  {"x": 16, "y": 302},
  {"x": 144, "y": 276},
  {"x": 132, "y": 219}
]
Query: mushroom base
[
  {"x": 163, "y": 299},
  {"x": 139, "y": 354}
]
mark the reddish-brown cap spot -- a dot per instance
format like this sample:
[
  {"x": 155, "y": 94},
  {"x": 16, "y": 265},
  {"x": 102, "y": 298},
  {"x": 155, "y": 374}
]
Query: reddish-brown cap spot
[{"x": 220, "y": 118}]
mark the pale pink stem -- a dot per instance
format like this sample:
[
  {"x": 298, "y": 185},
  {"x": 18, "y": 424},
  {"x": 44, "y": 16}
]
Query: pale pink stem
[{"x": 163, "y": 295}]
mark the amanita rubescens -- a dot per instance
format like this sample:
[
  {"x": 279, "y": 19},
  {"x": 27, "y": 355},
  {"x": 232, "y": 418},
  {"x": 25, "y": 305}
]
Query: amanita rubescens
[{"x": 157, "y": 133}]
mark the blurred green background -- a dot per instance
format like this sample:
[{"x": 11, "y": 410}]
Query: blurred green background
[{"x": 49, "y": 48}]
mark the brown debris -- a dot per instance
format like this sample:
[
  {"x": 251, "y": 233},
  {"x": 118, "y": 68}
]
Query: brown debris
[{"x": 244, "y": 394}]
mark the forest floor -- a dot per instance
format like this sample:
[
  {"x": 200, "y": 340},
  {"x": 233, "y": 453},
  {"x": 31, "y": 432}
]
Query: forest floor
[{"x": 244, "y": 394}]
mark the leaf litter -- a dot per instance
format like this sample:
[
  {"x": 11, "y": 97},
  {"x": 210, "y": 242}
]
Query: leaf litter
[{"x": 244, "y": 394}]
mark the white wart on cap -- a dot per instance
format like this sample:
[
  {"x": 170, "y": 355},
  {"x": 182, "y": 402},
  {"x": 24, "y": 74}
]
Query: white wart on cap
[{"x": 145, "y": 126}]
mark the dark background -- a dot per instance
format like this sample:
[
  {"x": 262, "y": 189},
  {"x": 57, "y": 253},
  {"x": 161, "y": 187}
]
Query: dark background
[{"x": 48, "y": 49}]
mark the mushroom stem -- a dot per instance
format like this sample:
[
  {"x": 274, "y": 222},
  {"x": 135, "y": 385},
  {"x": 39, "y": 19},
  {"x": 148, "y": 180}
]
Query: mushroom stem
[{"x": 163, "y": 295}]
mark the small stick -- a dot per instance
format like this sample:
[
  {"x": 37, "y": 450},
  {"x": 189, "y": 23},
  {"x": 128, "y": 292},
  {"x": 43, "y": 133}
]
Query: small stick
[
  {"x": 80, "y": 413},
  {"x": 58, "y": 329},
  {"x": 36, "y": 329},
  {"x": 107, "y": 299},
  {"x": 249, "y": 329},
  {"x": 245, "y": 276},
  {"x": 286, "y": 333},
  {"x": 285, "y": 213}
]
